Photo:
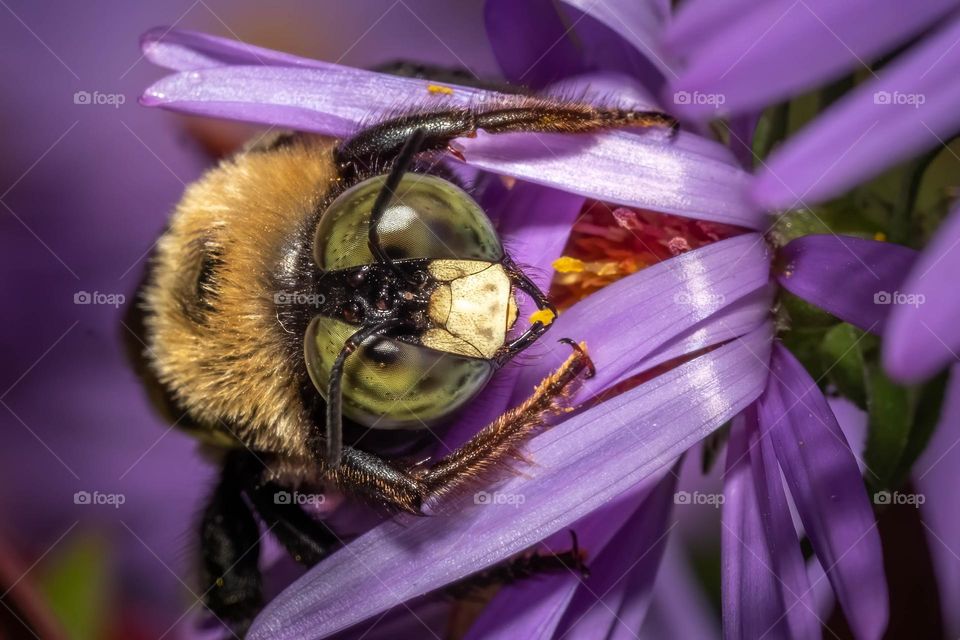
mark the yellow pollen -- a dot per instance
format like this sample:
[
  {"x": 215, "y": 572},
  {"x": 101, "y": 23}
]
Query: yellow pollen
[
  {"x": 566, "y": 264},
  {"x": 436, "y": 88},
  {"x": 880, "y": 236},
  {"x": 544, "y": 316}
]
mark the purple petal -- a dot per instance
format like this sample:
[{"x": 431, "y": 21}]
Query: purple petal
[
  {"x": 688, "y": 175},
  {"x": 638, "y": 22},
  {"x": 683, "y": 176},
  {"x": 828, "y": 491},
  {"x": 745, "y": 557},
  {"x": 854, "y": 279},
  {"x": 614, "y": 600},
  {"x": 672, "y": 297},
  {"x": 782, "y": 537},
  {"x": 604, "y": 88},
  {"x": 697, "y": 21},
  {"x": 538, "y": 42},
  {"x": 924, "y": 336},
  {"x": 532, "y": 44},
  {"x": 736, "y": 319},
  {"x": 533, "y": 608},
  {"x": 782, "y": 48},
  {"x": 853, "y": 422},
  {"x": 911, "y": 107},
  {"x": 935, "y": 474},
  {"x": 332, "y": 101},
  {"x": 629, "y": 437},
  {"x": 679, "y": 609},
  {"x": 183, "y": 50}
]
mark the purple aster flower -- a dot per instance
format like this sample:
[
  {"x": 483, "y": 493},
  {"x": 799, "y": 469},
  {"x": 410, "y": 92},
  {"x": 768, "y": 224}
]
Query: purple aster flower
[
  {"x": 605, "y": 469},
  {"x": 740, "y": 57}
]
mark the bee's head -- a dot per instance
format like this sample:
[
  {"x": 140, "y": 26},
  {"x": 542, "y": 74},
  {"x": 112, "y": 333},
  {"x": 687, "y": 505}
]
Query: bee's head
[{"x": 443, "y": 288}]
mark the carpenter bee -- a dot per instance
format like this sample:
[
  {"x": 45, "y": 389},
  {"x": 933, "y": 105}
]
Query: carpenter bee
[{"x": 310, "y": 289}]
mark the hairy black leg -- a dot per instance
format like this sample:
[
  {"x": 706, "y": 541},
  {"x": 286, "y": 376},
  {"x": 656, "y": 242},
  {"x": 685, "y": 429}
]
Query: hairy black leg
[
  {"x": 334, "y": 431},
  {"x": 381, "y": 144},
  {"x": 406, "y": 488},
  {"x": 230, "y": 546},
  {"x": 538, "y": 328},
  {"x": 410, "y": 148},
  {"x": 521, "y": 567},
  {"x": 307, "y": 540}
]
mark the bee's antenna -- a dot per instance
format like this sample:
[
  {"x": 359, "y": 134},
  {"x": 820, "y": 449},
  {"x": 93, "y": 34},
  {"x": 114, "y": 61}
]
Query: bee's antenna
[
  {"x": 334, "y": 392},
  {"x": 400, "y": 166}
]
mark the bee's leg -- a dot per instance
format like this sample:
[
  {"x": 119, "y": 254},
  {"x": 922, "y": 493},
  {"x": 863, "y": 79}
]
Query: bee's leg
[
  {"x": 230, "y": 546},
  {"x": 500, "y": 440},
  {"x": 524, "y": 566},
  {"x": 379, "y": 145},
  {"x": 306, "y": 539},
  {"x": 408, "y": 488}
]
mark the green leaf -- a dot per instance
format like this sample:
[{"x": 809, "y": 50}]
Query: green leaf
[
  {"x": 928, "y": 400},
  {"x": 891, "y": 416},
  {"x": 841, "y": 352}
]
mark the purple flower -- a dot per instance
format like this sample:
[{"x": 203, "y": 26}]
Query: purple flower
[
  {"x": 602, "y": 471},
  {"x": 749, "y": 55}
]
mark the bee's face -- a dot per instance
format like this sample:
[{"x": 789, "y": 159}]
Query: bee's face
[{"x": 447, "y": 289}]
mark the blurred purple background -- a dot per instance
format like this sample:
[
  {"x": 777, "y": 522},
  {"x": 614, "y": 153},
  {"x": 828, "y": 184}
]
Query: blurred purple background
[{"x": 88, "y": 178}]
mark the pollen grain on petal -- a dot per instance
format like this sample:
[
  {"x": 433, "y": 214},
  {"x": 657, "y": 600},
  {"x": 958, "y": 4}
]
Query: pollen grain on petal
[{"x": 543, "y": 316}]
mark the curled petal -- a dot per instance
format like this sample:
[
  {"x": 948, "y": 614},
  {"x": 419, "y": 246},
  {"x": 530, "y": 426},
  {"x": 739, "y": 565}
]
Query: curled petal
[
  {"x": 913, "y": 106},
  {"x": 696, "y": 22},
  {"x": 869, "y": 272},
  {"x": 782, "y": 48},
  {"x": 828, "y": 491},
  {"x": 531, "y": 42},
  {"x": 638, "y": 22},
  {"x": 628, "y": 437},
  {"x": 539, "y": 42},
  {"x": 923, "y": 334},
  {"x": 766, "y": 592}
]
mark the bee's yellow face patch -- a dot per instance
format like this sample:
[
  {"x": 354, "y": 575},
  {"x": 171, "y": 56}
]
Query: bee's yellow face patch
[{"x": 473, "y": 308}]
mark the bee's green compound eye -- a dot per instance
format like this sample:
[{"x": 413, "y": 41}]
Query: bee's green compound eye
[
  {"x": 428, "y": 217},
  {"x": 388, "y": 384}
]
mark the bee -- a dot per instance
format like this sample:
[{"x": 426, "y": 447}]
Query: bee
[{"x": 309, "y": 290}]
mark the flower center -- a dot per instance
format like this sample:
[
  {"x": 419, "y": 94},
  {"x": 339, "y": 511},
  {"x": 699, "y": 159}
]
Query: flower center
[{"x": 609, "y": 242}]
